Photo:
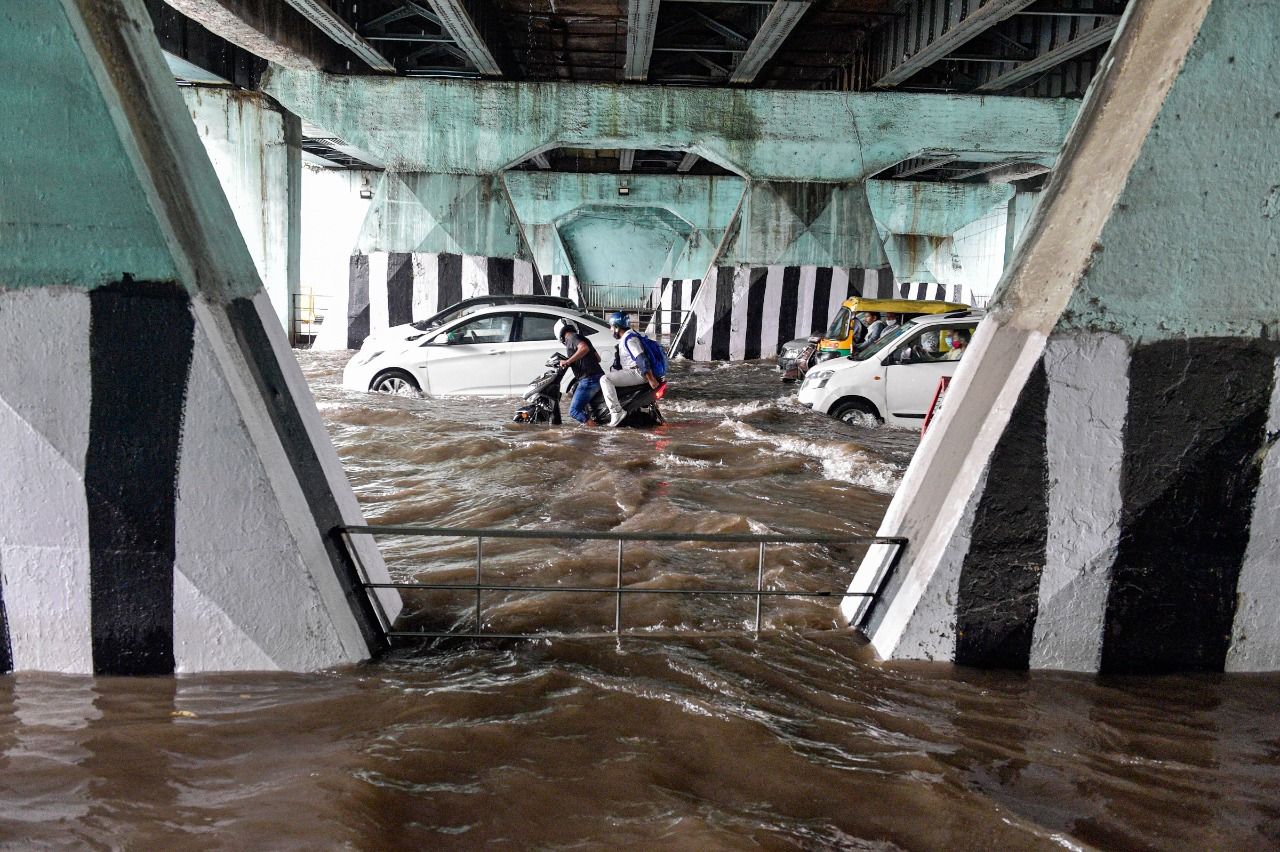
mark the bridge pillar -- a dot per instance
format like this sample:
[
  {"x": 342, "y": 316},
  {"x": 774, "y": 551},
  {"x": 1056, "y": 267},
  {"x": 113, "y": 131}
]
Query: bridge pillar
[
  {"x": 794, "y": 252},
  {"x": 1099, "y": 491},
  {"x": 429, "y": 241},
  {"x": 168, "y": 493},
  {"x": 256, "y": 149}
]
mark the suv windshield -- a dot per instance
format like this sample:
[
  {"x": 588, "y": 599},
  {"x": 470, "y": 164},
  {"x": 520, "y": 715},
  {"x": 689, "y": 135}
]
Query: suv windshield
[{"x": 885, "y": 340}]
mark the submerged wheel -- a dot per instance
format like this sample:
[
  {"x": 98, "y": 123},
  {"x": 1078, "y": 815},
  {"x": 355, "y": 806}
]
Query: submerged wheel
[
  {"x": 396, "y": 382},
  {"x": 856, "y": 411}
]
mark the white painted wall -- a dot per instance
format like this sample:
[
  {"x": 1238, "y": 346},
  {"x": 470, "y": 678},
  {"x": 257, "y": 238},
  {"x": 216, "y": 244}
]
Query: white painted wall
[
  {"x": 245, "y": 138},
  {"x": 973, "y": 256},
  {"x": 333, "y": 214}
]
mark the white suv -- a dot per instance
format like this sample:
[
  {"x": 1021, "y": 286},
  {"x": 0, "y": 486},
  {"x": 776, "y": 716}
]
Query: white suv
[{"x": 894, "y": 380}]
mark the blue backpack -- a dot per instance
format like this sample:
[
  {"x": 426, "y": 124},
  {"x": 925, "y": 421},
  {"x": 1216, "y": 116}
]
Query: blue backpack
[{"x": 656, "y": 354}]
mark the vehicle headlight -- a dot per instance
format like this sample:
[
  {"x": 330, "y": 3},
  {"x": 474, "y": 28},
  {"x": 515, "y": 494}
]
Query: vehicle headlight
[
  {"x": 790, "y": 354},
  {"x": 820, "y": 378}
]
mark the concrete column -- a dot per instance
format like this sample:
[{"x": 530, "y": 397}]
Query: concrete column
[
  {"x": 794, "y": 252},
  {"x": 169, "y": 492},
  {"x": 942, "y": 235},
  {"x": 1020, "y": 208},
  {"x": 1099, "y": 491},
  {"x": 255, "y": 148},
  {"x": 429, "y": 241}
]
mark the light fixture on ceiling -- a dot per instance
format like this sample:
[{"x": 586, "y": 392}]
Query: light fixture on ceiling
[
  {"x": 624, "y": 188},
  {"x": 365, "y": 191}
]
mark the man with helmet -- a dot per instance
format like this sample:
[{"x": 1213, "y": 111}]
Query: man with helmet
[
  {"x": 630, "y": 366},
  {"x": 585, "y": 363}
]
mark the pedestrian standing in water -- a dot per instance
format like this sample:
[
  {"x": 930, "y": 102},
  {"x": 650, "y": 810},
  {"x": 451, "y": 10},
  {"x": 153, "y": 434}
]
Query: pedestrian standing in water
[{"x": 585, "y": 363}]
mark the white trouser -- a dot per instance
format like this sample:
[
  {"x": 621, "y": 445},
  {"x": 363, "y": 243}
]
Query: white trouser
[{"x": 614, "y": 379}]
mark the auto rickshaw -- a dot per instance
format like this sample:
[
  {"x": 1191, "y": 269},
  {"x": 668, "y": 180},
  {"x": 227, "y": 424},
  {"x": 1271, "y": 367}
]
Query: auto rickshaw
[{"x": 838, "y": 339}]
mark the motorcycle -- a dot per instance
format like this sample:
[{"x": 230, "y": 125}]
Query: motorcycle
[{"x": 543, "y": 400}]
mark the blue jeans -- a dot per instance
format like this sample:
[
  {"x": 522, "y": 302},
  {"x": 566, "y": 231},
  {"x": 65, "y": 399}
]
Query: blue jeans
[{"x": 586, "y": 389}]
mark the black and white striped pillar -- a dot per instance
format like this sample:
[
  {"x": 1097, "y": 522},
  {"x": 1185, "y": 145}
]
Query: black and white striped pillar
[
  {"x": 745, "y": 312},
  {"x": 152, "y": 522},
  {"x": 387, "y": 289}
]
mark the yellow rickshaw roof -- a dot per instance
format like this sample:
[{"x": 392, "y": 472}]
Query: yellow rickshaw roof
[{"x": 901, "y": 306}]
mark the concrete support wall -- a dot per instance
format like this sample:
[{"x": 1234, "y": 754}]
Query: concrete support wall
[
  {"x": 762, "y": 134},
  {"x": 745, "y": 312},
  {"x": 333, "y": 215},
  {"x": 426, "y": 242},
  {"x": 386, "y": 289},
  {"x": 170, "y": 495},
  {"x": 1098, "y": 493},
  {"x": 255, "y": 149}
]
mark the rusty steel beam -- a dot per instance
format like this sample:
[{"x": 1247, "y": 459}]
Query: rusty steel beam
[
  {"x": 929, "y": 30},
  {"x": 331, "y": 24},
  {"x": 459, "y": 23},
  {"x": 1082, "y": 43},
  {"x": 924, "y": 164},
  {"x": 782, "y": 18},
  {"x": 642, "y": 23}
]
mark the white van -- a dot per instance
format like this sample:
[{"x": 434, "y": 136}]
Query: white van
[{"x": 894, "y": 379}]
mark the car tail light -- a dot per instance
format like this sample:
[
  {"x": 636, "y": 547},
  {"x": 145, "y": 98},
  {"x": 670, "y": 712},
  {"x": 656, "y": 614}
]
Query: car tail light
[{"x": 661, "y": 391}]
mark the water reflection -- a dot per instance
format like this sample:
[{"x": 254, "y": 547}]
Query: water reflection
[{"x": 798, "y": 740}]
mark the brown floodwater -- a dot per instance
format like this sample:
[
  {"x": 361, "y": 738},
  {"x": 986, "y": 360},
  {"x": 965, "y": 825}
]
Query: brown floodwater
[{"x": 696, "y": 735}]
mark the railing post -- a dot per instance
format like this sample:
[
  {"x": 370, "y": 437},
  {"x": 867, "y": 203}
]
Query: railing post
[
  {"x": 759, "y": 585},
  {"x": 479, "y": 569},
  {"x": 617, "y": 609}
]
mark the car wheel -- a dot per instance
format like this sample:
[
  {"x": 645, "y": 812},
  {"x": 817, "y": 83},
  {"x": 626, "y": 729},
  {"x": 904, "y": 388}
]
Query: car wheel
[
  {"x": 396, "y": 382},
  {"x": 857, "y": 412}
]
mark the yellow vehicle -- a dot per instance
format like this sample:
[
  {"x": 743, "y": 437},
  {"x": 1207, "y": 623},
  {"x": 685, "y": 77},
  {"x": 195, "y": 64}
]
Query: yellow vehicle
[{"x": 838, "y": 339}]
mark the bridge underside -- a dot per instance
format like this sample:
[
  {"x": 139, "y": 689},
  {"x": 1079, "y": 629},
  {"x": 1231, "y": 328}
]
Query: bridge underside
[{"x": 703, "y": 164}]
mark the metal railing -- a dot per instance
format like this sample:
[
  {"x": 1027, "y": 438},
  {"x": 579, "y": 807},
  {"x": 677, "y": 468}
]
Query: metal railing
[{"x": 618, "y": 590}]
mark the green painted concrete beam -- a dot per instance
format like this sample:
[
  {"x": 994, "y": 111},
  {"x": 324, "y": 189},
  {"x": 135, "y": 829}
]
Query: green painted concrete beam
[
  {"x": 702, "y": 202},
  {"x": 79, "y": 219},
  {"x": 932, "y": 209},
  {"x": 483, "y": 127},
  {"x": 1192, "y": 245},
  {"x": 444, "y": 213}
]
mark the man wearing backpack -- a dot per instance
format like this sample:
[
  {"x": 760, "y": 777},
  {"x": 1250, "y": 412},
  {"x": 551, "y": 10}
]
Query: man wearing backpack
[{"x": 632, "y": 366}]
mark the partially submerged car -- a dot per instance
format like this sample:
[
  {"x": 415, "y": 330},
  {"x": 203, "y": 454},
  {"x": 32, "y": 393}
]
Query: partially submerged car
[
  {"x": 489, "y": 350},
  {"x": 893, "y": 380}
]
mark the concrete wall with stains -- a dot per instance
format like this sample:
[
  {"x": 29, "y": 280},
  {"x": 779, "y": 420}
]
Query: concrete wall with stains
[
  {"x": 254, "y": 147},
  {"x": 483, "y": 127},
  {"x": 169, "y": 501},
  {"x": 1099, "y": 491}
]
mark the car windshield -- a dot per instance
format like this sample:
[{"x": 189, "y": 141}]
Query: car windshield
[
  {"x": 839, "y": 329},
  {"x": 887, "y": 338},
  {"x": 444, "y": 317}
]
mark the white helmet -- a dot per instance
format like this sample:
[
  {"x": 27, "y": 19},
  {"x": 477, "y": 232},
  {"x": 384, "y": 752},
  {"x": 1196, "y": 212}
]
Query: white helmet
[{"x": 563, "y": 325}]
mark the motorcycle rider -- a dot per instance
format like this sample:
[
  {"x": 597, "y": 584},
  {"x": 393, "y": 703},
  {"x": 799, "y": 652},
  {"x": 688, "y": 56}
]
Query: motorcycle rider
[
  {"x": 630, "y": 366},
  {"x": 585, "y": 363}
]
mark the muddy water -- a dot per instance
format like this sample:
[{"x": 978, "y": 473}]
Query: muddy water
[{"x": 714, "y": 741}]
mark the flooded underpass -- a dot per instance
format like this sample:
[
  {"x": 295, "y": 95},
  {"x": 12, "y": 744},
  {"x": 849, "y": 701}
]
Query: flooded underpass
[{"x": 698, "y": 737}]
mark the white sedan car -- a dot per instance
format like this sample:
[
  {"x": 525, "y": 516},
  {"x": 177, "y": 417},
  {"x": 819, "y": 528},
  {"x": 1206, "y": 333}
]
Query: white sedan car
[{"x": 492, "y": 351}]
